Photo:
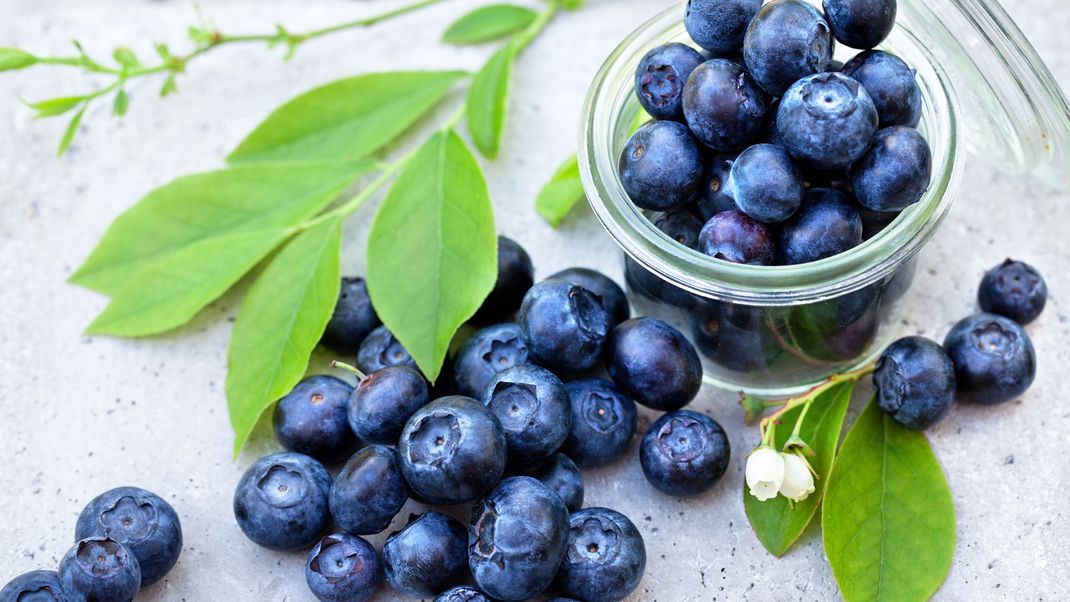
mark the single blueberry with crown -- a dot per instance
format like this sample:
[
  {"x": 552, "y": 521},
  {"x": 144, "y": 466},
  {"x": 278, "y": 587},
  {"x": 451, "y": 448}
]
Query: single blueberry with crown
[
  {"x": 603, "y": 422},
  {"x": 280, "y": 502},
  {"x": 718, "y": 25},
  {"x": 826, "y": 120},
  {"x": 381, "y": 349},
  {"x": 826, "y": 225},
  {"x": 383, "y": 401},
  {"x": 608, "y": 292},
  {"x": 861, "y": 24},
  {"x": 661, "y": 166},
  {"x": 684, "y": 453},
  {"x": 534, "y": 410},
  {"x": 369, "y": 491},
  {"x": 1013, "y": 289},
  {"x": 654, "y": 363},
  {"x": 660, "y": 79},
  {"x": 891, "y": 85},
  {"x": 734, "y": 236},
  {"x": 34, "y": 586},
  {"x": 427, "y": 556},
  {"x": 99, "y": 569},
  {"x": 564, "y": 326},
  {"x": 723, "y": 106},
  {"x": 766, "y": 184},
  {"x": 605, "y": 557},
  {"x": 313, "y": 419},
  {"x": 516, "y": 274},
  {"x": 895, "y": 171},
  {"x": 994, "y": 359},
  {"x": 342, "y": 568},
  {"x": 915, "y": 382},
  {"x": 786, "y": 41},
  {"x": 488, "y": 352}
]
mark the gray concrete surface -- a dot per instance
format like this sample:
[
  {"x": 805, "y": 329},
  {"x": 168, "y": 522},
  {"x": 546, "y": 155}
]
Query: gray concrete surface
[{"x": 80, "y": 415}]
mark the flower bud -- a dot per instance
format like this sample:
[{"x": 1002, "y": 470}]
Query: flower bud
[
  {"x": 765, "y": 473},
  {"x": 798, "y": 482}
]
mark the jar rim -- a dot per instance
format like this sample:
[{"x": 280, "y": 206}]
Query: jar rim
[{"x": 611, "y": 96}]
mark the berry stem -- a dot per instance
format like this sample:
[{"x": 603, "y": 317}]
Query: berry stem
[{"x": 349, "y": 368}]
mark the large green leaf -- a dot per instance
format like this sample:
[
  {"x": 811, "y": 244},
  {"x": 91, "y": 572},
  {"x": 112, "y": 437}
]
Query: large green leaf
[
  {"x": 777, "y": 522},
  {"x": 168, "y": 293},
  {"x": 488, "y": 23},
  {"x": 488, "y": 100},
  {"x": 888, "y": 518},
  {"x": 280, "y": 321},
  {"x": 432, "y": 249},
  {"x": 563, "y": 192},
  {"x": 207, "y": 205},
  {"x": 345, "y": 119}
]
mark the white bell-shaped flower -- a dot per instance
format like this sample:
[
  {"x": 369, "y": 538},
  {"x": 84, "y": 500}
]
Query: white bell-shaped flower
[
  {"x": 765, "y": 473},
  {"x": 798, "y": 482}
]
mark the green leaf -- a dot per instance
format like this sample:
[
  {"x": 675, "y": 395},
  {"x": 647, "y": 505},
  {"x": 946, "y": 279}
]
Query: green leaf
[
  {"x": 208, "y": 205},
  {"x": 488, "y": 23},
  {"x": 71, "y": 131},
  {"x": 55, "y": 106},
  {"x": 488, "y": 99},
  {"x": 170, "y": 86},
  {"x": 125, "y": 57},
  {"x": 888, "y": 519},
  {"x": 280, "y": 321},
  {"x": 776, "y": 522},
  {"x": 432, "y": 249},
  {"x": 345, "y": 119},
  {"x": 200, "y": 35},
  {"x": 169, "y": 292},
  {"x": 558, "y": 196},
  {"x": 13, "y": 58},
  {"x": 165, "y": 53},
  {"x": 572, "y": 4},
  {"x": 122, "y": 103}
]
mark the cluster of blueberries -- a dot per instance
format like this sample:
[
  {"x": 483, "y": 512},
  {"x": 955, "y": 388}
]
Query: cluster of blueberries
[
  {"x": 987, "y": 358},
  {"x": 125, "y": 539},
  {"x": 763, "y": 149},
  {"x": 501, "y": 429}
]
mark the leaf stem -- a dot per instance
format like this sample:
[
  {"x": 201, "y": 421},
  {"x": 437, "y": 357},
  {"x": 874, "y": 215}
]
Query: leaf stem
[
  {"x": 529, "y": 33},
  {"x": 349, "y": 368},
  {"x": 809, "y": 396}
]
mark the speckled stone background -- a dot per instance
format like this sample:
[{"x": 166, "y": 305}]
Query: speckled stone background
[{"x": 79, "y": 415}]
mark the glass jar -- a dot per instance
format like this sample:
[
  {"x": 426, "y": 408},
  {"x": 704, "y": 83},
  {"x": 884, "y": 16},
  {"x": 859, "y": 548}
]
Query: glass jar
[{"x": 774, "y": 330}]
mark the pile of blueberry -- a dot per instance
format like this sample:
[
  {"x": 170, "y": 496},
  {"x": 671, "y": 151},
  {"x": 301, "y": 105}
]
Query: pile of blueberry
[
  {"x": 765, "y": 151},
  {"x": 125, "y": 539},
  {"x": 504, "y": 432},
  {"x": 987, "y": 358}
]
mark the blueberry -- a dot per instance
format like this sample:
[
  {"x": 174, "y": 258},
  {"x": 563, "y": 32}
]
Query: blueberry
[
  {"x": 714, "y": 198},
  {"x": 369, "y": 491},
  {"x": 485, "y": 354},
  {"x": 534, "y": 410},
  {"x": 993, "y": 357},
  {"x": 383, "y": 401},
  {"x": 661, "y": 166},
  {"x": 342, "y": 568},
  {"x": 646, "y": 283},
  {"x": 313, "y": 419},
  {"x": 560, "y": 474},
  {"x": 680, "y": 225},
  {"x": 786, "y": 41},
  {"x": 827, "y": 224},
  {"x": 603, "y": 422},
  {"x": 860, "y": 24},
  {"x": 826, "y": 120},
  {"x": 765, "y": 183},
  {"x": 873, "y": 222},
  {"x": 516, "y": 539},
  {"x": 605, "y": 557},
  {"x": 734, "y": 236},
  {"x": 380, "y": 350},
  {"x": 891, "y": 85},
  {"x": 564, "y": 326},
  {"x": 353, "y": 319},
  {"x": 99, "y": 569},
  {"x": 281, "y": 501},
  {"x": 894, "y": 172},
  {"x": 734, "y": 336},
  {"x": 660, "y": 79},
  {"x": 718, "y": 25},
  {"x": 35, "y": 586},
  {"x": 427, "y": 556},
  {"x": 140, "y": 520},
  {"x": 654, "y": 363},
  {"x": 1013, "y": 289},
  {"x": 462, "y": 593},
  {"x": 516, "y": 274},
  {"x": 723, "y": 106},
  {"x": 915, "y": 382},
  {"x": 452, "y": 450},
  {"x": 609, "y": 292},
  {"x": 684, "y": 453}
]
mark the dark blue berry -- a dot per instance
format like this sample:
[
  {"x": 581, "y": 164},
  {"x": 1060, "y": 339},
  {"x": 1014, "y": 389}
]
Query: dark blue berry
[
  {"x": 382, "y": 349},
  {"x": 644, "y": 282},
  {"x": 485, "y": 354},
  {"x": 534, "y": 410},
  {"x": 826, "y": 120},
  {"x": 564, "y": 326},
  {"x": 281, "y": 501},
  {"x": 714, "y": 198},
  {"x": 915, "y": 382},
  {"x": 993, "y": 357},
  {"x": 654, "y": 363},
  {"x": 140, "y": 520},
  {"x": 684, "y": 453},
  {"x": 605, "y": 557},
  {"x": 560, "y": 474},
  {"x": 873, "y": 222},
  {"x": 895, "y": 172},
  {"x": 827, "y": 224},
  {"x": 660, "y": 79},
  {"x": 890, "y": 83},
  {"x": 860, "y": 24},
  {"x": 353, "y": 319},
  {"x": 99, "y": 569},
  {"x": 609, "y": 292},
  {"x": 516, "y": 539},
  {"x": 383, "y": 401},
  {"x": 603, "y": 422},
  {"x": 661, "y": 166},
  {"x": 313, "y": 419},
  {"x": 343, "y": 568},
  {"x": 718, "y": 25},
  {"x": 680, "y": 225},
  {"x": 766, "y": 184},
  {"x": 427, "y": 556},
  {"x": 734, "y": 236},
  {"x": 734, "y": 337},
  {"x": 369, "y": 491},
  {"x": 786, "y": 41},
  {"x": 516, "y": 274},
  {"x": 1013, "y": 289},
  {"x": 35, "y": 586},
  {"x": 723, "y": 106},
  {"x": 462, "y": 593},
  {"x": 452, "y": 450}
]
